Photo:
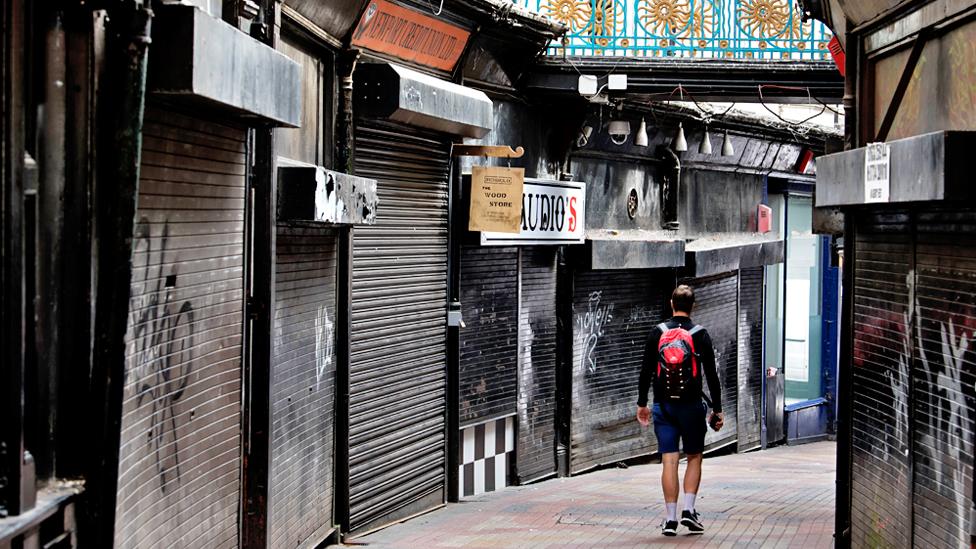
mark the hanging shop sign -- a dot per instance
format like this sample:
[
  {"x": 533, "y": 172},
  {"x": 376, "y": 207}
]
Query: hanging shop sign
[
  {"x": 877, "y": 182},
  {"x": 410, "y": 35},
  {"x": 495, "y": 199},
  {"x": 552, "y": 213}
]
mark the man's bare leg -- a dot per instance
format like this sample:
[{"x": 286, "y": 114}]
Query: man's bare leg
[
  {"x": 692, "y": 480},
  {"x": 669, "y": 484},
  {"x": 693, "y": 473}
]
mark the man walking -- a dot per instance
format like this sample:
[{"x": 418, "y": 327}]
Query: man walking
[{"x": 677, "y": 354}]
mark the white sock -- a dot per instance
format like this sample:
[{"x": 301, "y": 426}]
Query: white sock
[
  {"x": 690, "y": 502},
  {"x": 672, "y": 510}
]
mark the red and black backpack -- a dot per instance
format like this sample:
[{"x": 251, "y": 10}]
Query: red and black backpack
[{"x": 677, "y": 363}]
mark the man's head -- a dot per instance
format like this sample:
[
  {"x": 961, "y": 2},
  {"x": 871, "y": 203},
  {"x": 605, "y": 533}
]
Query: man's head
[{"x": 683, "y": 300}]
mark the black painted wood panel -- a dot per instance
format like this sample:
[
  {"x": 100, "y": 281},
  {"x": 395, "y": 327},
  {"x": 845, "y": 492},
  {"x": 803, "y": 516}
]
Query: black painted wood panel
[
  {"x": 179, "y": 459},
  {"x": 716, "y": 308},
  {"x": 613, "y": 312},
  {"x": 536, "y": 446},
  {"x": 751, "y": 368},
  {"x": 488, "y": 380},
  {"x": 881, "y": 490},
  {"x": 303, "y": 388}
]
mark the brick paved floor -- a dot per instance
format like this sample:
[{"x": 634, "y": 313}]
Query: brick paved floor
[{"x": 779, "y": 498}]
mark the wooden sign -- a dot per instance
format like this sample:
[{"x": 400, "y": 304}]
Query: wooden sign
[
  {"x": 496, "y": 199},
  {"x": 410, "y": 35}
]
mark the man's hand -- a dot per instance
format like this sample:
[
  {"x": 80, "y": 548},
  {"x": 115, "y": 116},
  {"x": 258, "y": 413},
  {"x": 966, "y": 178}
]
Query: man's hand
[
  {"x": 644, "y": 415},
  {"x": 717, "y": 426}
]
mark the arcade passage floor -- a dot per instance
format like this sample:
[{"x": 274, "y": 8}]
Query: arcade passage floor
[{"x": 782, "y": 497}]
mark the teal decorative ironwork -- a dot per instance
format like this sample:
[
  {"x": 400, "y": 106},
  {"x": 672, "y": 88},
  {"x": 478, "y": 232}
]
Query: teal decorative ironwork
[{"x": 694, "y": 29}]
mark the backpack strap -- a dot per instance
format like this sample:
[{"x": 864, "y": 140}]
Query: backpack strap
[
  {"x": 664, "y": 328},
  {"x": 694, "y": 353}
]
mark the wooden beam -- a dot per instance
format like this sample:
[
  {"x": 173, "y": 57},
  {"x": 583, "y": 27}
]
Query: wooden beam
[{"x": 493, "y": 151}]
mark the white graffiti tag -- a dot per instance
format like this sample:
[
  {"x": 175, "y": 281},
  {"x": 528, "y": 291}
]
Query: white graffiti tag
[
  {"x": 589, "y": 329},
  {"x": 324, "y": 344}
]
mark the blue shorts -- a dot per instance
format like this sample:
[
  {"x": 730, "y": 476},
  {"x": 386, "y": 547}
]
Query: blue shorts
[{"x": 680, "y": 420}]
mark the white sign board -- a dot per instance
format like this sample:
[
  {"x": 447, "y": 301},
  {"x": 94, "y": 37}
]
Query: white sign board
[
  {"x": 877, "y": 164},
  {"x": 552, "y": 213}
]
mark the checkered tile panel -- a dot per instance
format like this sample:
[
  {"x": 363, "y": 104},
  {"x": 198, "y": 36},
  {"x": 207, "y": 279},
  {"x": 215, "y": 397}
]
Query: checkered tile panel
[{"x": 486, "y": 453}]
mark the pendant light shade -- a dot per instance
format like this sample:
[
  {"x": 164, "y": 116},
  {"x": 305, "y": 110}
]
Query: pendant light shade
[
  {"x": 705, "y": 147},
  {"x": 727, "y": 149},
  {"x": 641, "y": 138},
  {"x": 680, "y": 143}
]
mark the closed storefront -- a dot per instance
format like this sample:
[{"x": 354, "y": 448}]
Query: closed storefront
[
  {"x": 179, "y": 459},
  {"x": 751, "y": 371},
  {"x": 905, "y": 458},
  {"x": 613, "y": 312},
  {"x": 716, "y": 308},
  {"x": 303, "y": 389},
  {"x": 536, "y": 442},
  {"x": 913, "y": 374},
  {"x": 507, "y": 366},
  {"x": 508, "y": 344},
  {"x": 489, "y": 340},
  {"x": 399, "y": 325}
]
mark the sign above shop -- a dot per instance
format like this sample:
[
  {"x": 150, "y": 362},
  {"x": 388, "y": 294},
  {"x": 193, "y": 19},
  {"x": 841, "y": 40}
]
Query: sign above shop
[
  {"x": 410, "y": 35},
  {"x": 877, "y": 183},
  {"x": 552, "y": 214},
  {"x": 496, "y": 199}
]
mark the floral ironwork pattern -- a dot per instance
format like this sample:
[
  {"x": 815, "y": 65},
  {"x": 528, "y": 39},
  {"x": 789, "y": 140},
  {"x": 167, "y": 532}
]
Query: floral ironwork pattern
[
  {"x": 764, "y": 18},
  {"x": 716, "y": 29}
]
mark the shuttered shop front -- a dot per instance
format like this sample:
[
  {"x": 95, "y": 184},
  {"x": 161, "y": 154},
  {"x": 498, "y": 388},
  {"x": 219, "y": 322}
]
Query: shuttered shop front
[
  {"x": 944, "y": 391},
  {"x": 751, "y": 370},
  {"x": 398, "y": 341},
  {"x": 914, "y": 369},
  {"x": 716, "y": 308},
  {"x": 179, "y": 460},
  {"x": 489, "y": 341},
  {"x": 536, "y": 446},
  {"x": 613, "y": 313},
  {"x": 303, "y": 387},
  {"x": 881, "y": 465}
]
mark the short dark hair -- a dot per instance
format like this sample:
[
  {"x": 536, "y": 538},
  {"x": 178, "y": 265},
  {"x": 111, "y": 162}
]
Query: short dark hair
[{"x": 683, "y": 298}]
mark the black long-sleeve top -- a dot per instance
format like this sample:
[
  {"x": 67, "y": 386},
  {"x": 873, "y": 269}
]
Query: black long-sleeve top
[{"x": 706, "y": 356}]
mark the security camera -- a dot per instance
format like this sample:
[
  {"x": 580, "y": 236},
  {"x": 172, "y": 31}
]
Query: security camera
[{"x": 619, "y": 130}]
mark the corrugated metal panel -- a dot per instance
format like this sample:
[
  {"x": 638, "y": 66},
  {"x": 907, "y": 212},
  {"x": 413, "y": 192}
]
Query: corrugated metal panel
[
  {"x": 489, "y": 341},
  {"x": 303, "y": 387},
  {"x": 944, "y": 377},
  {"x": 881, "y": 507},
  {"x": 613, "y": 313},
  {"x": 716, "y": 308},
  {"x": 399, "y": 329},
  {"x": 179, "y": 460},
  {"x": 536, "y": 448},
  {"x": 751, "y": 371}
]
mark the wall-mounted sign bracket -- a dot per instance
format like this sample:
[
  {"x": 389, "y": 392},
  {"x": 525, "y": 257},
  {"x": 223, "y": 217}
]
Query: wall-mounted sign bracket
[{"x": 493, "y": 151}]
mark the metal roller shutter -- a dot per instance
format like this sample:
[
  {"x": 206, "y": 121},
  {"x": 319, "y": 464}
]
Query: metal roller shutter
[
  {"x": 613, "y": 313},
  {"x": 536, "y": 448},
  {"x": 716, "y": 308},
  {"x": 489, "y": 342},
  {"x": 881, "y": 506},
  {"x": 944, "y": 377},
  {"x": 179, "y": 459},
  {"x": 303, "y": 387},
  {"x": 751, "y": 371},
  {"x": 399, "y": 329}
]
